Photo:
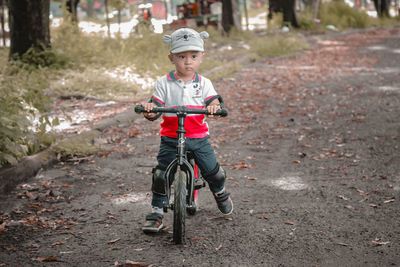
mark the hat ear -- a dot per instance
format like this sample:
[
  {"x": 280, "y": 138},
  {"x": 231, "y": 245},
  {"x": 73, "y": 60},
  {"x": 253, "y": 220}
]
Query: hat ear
[
  {"x": 204, "y": 35},
  {"x": 167, "y": 39}
]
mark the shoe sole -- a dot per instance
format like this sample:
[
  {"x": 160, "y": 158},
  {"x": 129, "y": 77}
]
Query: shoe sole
[{"x": 152, "y": 230}]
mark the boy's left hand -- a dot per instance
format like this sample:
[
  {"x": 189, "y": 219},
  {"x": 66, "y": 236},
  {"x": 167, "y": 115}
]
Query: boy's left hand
[{"x": 212, "y": 108}]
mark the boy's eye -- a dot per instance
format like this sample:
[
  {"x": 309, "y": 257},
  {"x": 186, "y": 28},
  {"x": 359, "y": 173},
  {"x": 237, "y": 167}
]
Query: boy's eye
[
  {"x": 181, "y": 57},
  {"x": 194, "y": 56}
]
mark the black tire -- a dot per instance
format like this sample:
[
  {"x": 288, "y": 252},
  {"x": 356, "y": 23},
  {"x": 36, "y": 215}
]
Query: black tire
[{"x": 179, "y": 207}]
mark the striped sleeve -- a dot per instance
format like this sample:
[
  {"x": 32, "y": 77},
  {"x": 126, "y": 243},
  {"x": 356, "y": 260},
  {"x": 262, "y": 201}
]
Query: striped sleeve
[
  {"x": 209, "y": 93},
  {"x": 158, "y": 96}
]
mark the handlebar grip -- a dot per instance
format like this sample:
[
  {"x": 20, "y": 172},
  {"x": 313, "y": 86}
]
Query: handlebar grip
[
  {"x": 222, "y": 112},
  {"x": 139, "y": 109}
]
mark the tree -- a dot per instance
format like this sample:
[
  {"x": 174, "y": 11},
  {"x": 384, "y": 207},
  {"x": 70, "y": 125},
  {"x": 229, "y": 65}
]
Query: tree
[
  {"x": 3, "y": 3},
  {"x": 382, "y": 7},
  {"x": 72, "y": 6},
  {"x": 230, "y": 15},
  {"x": 119, "y": 5},
  {"x": 29, "y": 25},
  {"x": 288, "y": 8}
]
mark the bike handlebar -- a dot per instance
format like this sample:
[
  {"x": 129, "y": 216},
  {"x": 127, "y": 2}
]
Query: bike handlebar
[{"x": 182, "y": 109}]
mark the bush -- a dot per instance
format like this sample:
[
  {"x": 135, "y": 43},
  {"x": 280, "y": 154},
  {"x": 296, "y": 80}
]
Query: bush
[
  {"x": 342, "y": 16},
  {"x": 22, "y": 123}
]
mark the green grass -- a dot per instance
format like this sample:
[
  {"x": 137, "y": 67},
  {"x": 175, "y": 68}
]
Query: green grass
[
  {"x": 278, "y": 45},
  {"x": 139, "y": 52},
  {"x": 342, "y": 16}
]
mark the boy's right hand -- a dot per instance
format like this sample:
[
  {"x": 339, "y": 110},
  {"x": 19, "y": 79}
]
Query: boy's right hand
[{"x": 148, "y": 107}]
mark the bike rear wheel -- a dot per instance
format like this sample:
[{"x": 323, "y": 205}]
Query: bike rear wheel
[{"x": 179, "y": 207}]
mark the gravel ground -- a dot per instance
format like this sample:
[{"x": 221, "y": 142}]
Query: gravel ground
[{"x": 311, "y": 149}]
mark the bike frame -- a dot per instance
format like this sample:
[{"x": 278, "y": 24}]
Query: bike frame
[{"x": 181, "y": 161}]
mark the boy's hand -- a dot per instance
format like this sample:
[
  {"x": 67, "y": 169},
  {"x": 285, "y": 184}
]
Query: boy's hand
[
  {"x": 212, "y": 108},
  {"x": 148, "y": 107}
]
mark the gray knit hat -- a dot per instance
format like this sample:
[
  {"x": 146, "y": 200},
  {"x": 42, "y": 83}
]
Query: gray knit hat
[{"x": 185, "y": 39}]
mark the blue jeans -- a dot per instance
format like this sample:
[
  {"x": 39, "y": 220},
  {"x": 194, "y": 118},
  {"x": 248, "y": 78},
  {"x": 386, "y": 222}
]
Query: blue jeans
[{"x": 203, "y": 155}]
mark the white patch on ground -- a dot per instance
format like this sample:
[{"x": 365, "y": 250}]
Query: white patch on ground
[
  {"x": 128, "y": 75},
  {"x": 330, "y": 42},
  {"x": 387, "y": 70},
  {"x": 104, "y": 104},
  {"x": 296, "y": 67},
  {"x": 377, "y": 47},
  {"x": 289, "y": 183},
  {"x": 129, "y": 198},
  {"x": 396, "y": 51},
  {"x": 389, "y": 88}
]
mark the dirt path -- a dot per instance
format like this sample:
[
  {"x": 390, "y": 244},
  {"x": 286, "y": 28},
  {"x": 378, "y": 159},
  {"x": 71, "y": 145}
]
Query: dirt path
[{"x": 311, "y": 148}]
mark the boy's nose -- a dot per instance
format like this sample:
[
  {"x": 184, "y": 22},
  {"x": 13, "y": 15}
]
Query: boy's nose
[{"x": 188, "y": 60}]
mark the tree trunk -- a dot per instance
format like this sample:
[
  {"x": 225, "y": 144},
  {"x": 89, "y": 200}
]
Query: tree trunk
[
  {"x": 29, "y": 25},
  {"x": 382, "y": 8},
  {"x": 90, "y": 8},
  {"x": 290, "y": 13},
  {"x": 230, "y": 15},
  {"x": 72, "y": 6},
  {"x": 3, "y": 29},
  {"x": 288, "y": 8},
  {"x": 107, "y": 18}
]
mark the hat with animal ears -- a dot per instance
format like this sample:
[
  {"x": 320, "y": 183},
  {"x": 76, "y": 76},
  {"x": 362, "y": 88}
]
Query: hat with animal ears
[{"x": 185, "y": 39}]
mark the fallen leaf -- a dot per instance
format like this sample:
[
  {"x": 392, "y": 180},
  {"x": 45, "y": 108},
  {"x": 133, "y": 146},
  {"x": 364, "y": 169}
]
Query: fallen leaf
[
  {"x": 30, "y": 195},
  {"x": 388, "y": 201},
  {"x": 251, "y": 178},
  {"x": 57, "y": 244},
  {"x": 104, "y": 154},
  {"x": 289, "y": 223},
  {"x": 379, "y": 243},
  {"x": 343, "y": 244},
  {"x": 132, "y": 132},
  {"x": 48, "y": 259},
  {"x": 113, "y": 241},
  {"x": 129, "y": 263},
  {"x": 343, "y": 197}
]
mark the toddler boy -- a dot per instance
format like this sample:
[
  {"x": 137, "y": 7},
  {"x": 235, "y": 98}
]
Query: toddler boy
[{"x": 185, "y": 87}]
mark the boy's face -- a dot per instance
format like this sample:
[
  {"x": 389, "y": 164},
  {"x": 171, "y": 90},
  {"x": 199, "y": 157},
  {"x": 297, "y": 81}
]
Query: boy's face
[{"x": 186, "y": 63}]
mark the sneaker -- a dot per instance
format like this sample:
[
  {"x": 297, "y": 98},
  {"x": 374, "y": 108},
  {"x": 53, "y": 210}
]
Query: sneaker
[
  {"x": 153, "y": 223},
  {"x": 224, "y": 202}
]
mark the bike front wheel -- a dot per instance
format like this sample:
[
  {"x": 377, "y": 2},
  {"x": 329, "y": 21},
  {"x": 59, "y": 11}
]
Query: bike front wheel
[{"x": 179, "y": 207}]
